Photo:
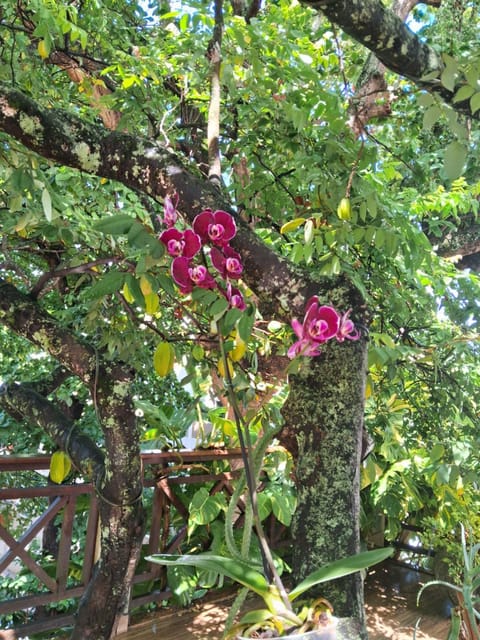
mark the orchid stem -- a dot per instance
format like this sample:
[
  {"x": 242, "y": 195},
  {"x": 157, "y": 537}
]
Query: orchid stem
[{"x": 244, "y": 439}]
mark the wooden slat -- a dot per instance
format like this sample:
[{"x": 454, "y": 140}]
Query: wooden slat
[{"x": 63, "y": 557}]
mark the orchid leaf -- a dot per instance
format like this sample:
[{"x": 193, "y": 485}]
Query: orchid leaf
[
  {"x": 237, "y": 570},
  {"x": 341, "y": 568}
]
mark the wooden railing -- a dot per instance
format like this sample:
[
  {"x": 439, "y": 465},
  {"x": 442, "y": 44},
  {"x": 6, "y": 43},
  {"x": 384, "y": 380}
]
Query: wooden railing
[{"x": 165, "y": 472}]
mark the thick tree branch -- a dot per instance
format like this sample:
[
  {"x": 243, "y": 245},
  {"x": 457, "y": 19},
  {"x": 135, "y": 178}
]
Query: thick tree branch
[
  {"x": 36, "y": 409},
  {"x": 377, "y": 28},
  {"x": 150, "y": 168},
  {"x": 21, "y": 314}
]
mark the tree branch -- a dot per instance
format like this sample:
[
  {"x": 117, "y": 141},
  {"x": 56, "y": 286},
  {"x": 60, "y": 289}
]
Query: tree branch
[
  {"x": 213, "y": 129},
  {"x": 377, "y": 28},
  {"x": 150, "y": 168},
  {"x": 36, "y": 409},
  {"x": 21, "y": 314}
]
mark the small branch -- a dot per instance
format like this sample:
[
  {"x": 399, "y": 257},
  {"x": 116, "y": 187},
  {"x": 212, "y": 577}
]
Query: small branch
[
  {"x": 243, "y": 432},
  {"x": 62, "y": 273},
  {"x": 213, "y": 126}
]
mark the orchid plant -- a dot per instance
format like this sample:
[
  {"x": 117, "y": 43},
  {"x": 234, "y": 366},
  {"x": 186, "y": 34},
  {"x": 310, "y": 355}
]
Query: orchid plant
[{"x": 203, "y": 257}]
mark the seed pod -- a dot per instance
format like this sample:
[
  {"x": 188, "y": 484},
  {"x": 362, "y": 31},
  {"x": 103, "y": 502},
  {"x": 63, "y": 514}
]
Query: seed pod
[
  {"x": 164, "y": 359},
  {"x": 344, "y": 210},
  {"x": 60, "y": 465}
]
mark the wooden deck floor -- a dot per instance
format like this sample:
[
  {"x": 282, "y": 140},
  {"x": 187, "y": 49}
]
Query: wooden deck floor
[{"x": 392, "y": 613}]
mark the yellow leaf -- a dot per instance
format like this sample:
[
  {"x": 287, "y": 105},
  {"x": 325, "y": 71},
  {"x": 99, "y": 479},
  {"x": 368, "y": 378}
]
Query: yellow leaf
[
  {"x": 368, "y": 390},
  {"x": 152, "y": 303},
  {"x": 221, "y": 368},
  {"x": 164, "y": 359},
  {"x": 42, "y": 49},
  {"x": 291, "y": 225},
  {"x": 145, "y": 286},
  {"x": 127, "y": 294},
  {"x": 60, "y": 465},
  {"x": 238, "y": 350}
]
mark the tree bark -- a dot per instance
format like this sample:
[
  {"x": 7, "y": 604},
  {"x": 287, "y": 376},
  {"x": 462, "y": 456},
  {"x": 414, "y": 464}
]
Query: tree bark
[
  {"x": 117, "y": 473},
  {"x": 378, "y": 29},
  {"x": 324, "y": 413}
]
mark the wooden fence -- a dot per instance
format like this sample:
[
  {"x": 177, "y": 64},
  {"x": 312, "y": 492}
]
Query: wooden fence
[{"x": 166, "y": 474}]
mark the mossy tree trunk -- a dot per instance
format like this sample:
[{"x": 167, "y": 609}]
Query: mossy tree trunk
[
  {"x": 324, "y": 416},
  {"x": 115, "y": 472}
]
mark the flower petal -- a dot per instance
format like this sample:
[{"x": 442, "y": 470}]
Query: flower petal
[
  {"x": 202, "y": 222},
  {"x": 179, "y": 270}
]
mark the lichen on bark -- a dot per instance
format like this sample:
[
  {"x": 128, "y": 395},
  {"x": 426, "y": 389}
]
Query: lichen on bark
[{"x": 324, "y": 410}]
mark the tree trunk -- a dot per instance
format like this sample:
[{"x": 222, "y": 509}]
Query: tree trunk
[{"x": 324, "y": 410}]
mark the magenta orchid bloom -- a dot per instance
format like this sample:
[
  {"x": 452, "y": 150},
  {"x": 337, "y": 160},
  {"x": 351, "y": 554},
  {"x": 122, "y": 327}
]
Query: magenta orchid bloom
[
  {"x": 170, "y": 210},
  {"x": 188, "y": 276},
  {"x": 228, "y": 263},
  {"x": 217, "y": 227},
  {"x": 347, "y": 329},
  {"x": 321, "y": 323},
  {"x": 235, "y": 298},
  {"x": 178, "y": 243}
]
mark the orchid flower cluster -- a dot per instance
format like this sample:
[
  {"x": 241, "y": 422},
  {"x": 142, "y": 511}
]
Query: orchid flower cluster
[
  {"x": 212, "y": 229},
  {"x": 320, "y": 324}
]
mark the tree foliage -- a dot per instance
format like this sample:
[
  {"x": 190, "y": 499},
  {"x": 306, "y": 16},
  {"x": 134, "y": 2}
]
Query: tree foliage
[{"x": 350, "y": 176}]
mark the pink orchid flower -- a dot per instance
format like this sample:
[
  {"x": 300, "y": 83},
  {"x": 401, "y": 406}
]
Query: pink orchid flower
[
  {"x": 347, "y": 329},
  {"x": 228, "y": 263},
  {"x": 235, "y": 298},
  {"x": 321, "y": 323},
  {"x": 217, "y": 227},
  {"x": 181, "y": 243},
  {"x": 170, "y": 210},
  {"x": 188, "y": 276}
]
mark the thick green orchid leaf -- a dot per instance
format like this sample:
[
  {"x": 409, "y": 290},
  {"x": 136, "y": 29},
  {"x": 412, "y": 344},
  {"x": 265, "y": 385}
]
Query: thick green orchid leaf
[
  {"x": 237, "y": 570},
  {"x": 340, "y": 568}
]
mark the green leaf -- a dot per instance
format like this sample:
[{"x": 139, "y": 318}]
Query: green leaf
[
  {"x": 340, "y": 568},
  {"x": 283, "y": 502},
  {"x": 246, "y": 322},
  {"x": 182, "y": 581},
  {"x": 236, "y": 570},
  {"x": 455, "y": 156},
  {"x": 110, "y": 283},
  {"x": 464, "y": 93},
  {"x": 47, "y": 204},
  {"x": 166, "y": 283},
  {"x": 204, "y": 508},
  {"x": 230, "y": 319},
  {"x": 431, "y": 116},
  {"x": 437, "y": 452},
  {"x": 218, "y": 308},
  {"x": 475, "y": 102},
  {"x": 449, "y": 74},
  {"x": 115, "y": 225}
]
